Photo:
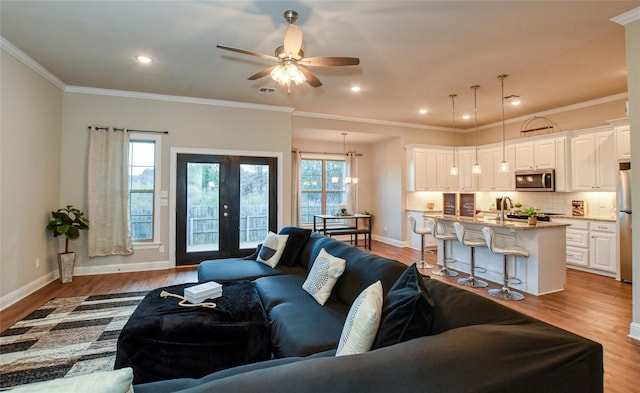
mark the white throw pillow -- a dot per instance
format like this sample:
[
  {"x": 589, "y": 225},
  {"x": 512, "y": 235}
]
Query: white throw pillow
[
  {"x": 323, "y": 276},
  {"x": 362, "y": 322},
  {"x": 117, "y": 381},
  {"x": 272, "y": 249}
]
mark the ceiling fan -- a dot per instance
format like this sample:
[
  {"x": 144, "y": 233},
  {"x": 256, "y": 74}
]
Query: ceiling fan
[{"x": 290, "y": 58}]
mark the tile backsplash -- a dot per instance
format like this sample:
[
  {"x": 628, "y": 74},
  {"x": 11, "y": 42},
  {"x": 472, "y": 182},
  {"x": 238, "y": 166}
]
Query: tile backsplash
[{"x": 598, "y": 204}]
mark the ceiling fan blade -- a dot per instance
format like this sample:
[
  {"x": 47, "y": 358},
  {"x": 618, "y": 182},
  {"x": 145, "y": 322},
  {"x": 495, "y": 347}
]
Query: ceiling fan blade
[
  {"x": 330, "y": 61},
  {"x": 292, "y": 40},
  {"x": 262, "y": 73},
  {"x": 246, "y": 52},
  {"x": 311, "y": 79}
]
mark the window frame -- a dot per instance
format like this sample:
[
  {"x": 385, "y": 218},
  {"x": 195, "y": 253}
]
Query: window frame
[
  {"x": 157, "y": 140},
  {"x": 324, "y": 192}
]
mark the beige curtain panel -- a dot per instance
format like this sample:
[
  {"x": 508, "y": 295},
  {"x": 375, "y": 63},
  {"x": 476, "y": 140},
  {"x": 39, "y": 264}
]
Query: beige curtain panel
[{"x": 109, "y": 193}]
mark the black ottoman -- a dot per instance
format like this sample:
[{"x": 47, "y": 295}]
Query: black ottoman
[{"x": 162, "y": 340}]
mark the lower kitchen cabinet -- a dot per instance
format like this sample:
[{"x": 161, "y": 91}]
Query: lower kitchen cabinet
[{"x": 591, "y": 246}]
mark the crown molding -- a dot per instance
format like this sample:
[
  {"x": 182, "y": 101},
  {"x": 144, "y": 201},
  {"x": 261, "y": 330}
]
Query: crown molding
[
  {"x": 369, "y": 121},
  {"x": 29, "y": 62},
  {"x": 172, "y": 98},
  {"x": 580, "y": 105},
  {"x": 628, "y": 17}
]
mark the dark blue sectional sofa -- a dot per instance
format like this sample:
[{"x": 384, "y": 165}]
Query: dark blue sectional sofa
[{"x": 474, "y": 344}]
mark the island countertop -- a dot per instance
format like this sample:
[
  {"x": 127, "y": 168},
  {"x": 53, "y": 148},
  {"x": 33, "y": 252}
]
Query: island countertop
[{"x": 508, "y": 222}]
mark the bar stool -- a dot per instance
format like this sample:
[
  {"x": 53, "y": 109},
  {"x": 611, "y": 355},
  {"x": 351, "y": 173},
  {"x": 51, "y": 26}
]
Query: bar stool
[
  {"x": 422, "y": 232},
  {"x": 438, "y": 232},
  {"x": 503, "y": 293},
  {"x": 470, "y": 281}
]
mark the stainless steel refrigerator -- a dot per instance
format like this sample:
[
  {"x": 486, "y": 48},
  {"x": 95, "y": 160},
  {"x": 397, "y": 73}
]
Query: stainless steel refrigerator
[{"x": 624, "y": 219}]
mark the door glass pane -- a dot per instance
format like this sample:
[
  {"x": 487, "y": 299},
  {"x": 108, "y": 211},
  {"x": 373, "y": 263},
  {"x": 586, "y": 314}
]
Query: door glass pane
[
  {"x": 254, "y": 204},
  {"x": 203, "y": 196}
]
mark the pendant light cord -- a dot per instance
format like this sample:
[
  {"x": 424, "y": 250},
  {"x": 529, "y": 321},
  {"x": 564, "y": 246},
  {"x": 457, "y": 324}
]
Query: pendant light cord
[
  {"x": 475, "y": 110},
  {"x": 453, "y": 123}
]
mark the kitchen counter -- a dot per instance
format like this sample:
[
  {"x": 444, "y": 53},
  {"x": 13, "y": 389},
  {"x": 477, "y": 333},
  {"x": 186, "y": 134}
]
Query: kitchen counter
[
  {"x": 543, "y": 272},
  {"x": 511, "y": 223}
]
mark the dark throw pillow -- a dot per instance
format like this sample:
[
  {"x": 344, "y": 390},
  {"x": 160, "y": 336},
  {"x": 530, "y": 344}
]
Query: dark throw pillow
[
  {"x": 295, "y": 243},
  {"x": 407, "y": 311}
]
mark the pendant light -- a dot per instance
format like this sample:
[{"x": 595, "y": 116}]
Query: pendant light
[
  {"x": 475, "y": 169},
  {"x": 348, "y": 180},
  {"x": 454, "y": 169},
  {"x": 504, "y": 165}
]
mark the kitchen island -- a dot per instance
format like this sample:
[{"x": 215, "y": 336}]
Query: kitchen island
[{"x": 544, "y": 271}]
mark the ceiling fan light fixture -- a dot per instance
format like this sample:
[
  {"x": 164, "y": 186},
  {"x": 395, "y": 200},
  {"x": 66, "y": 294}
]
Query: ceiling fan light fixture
[
  {"x": 143, "y": 59},
  {"x": 287, "y": 73}
]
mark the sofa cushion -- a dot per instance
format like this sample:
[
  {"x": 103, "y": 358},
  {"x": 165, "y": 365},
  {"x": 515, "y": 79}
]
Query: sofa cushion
[
  {"x": 238, "y": 269},
  {"x": 272, "y": 249},
  {"x": 362, "y": 322},
  {"x": 323, "y": 275},
  {"x": 408, "y": 310},
  {"x": 455, "y": 308},
  {"x": 299, "y": 325},
  {"x": 295, "y": 243},
  {"x": 362, "y": 269}
]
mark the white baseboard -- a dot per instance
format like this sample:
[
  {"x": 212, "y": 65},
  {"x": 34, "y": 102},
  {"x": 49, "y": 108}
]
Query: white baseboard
[
  {"x": 21, "y": 293},
  {"x": 121, "y": 268},
  {"x": 33, "y": 286},
  {"x": 634, "y": 331},
  {"x": 393, "y": 242}
]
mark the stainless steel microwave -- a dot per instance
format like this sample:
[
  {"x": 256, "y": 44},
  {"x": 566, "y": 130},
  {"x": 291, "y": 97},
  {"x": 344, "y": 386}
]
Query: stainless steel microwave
[{"x": 536, "y": 180}]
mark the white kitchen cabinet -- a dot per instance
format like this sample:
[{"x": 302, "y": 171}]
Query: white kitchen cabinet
[
  {"x": 444, "y": 180},
  {"x": 593, "y": 162},
  {"x": 428, "y": 170},
  {"x": 467, "y": 180},
  {"x": 591, "y": 246},
  {"x": 602, "y": 250},
  {"x": 623, "y": 142},
  {"x": 540, "y": 154},
  {"x": 491, "y": 179}
]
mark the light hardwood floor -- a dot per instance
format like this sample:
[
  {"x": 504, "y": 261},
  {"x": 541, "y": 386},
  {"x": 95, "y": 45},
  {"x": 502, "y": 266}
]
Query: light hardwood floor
[{"x": 592, "y": 306}]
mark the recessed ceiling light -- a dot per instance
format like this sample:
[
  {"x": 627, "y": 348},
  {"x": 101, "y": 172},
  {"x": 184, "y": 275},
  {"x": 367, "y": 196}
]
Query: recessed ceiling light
[
  {"x": 143, "y": 59},
  {"x": 466, "y": 117},
  {"x": 355, "y": 89},
  {"x": 422, "y": 111}
]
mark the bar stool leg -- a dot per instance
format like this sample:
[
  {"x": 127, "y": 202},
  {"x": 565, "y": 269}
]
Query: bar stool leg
[
  {"x": 444, "y": 271},
  {"x": 504, "y": 292},
  {"x": 472, "y": 281},
  {"x": 423, "y": 263}
]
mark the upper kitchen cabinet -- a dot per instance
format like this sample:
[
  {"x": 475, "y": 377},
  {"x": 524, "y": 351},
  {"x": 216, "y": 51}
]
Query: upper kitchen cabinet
[
  {"x": 540, "y": 154},
  {"x": 623, "y": 142},
  {"x": 466, "y": 159},
  {"x": 491, "y": 179},
  {"x": 544, "y": 153},
  {"x": 593, "y": 161},
  {"x": 623, "y": 138},
  {"x": 428, "y": 169}
]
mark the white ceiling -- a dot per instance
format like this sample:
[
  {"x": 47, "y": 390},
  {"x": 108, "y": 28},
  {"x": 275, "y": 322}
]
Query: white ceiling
[{"x": 413, "y": 53}]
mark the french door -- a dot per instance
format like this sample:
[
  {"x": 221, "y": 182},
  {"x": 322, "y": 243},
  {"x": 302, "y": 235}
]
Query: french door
[{"x": 225, "y": 205}]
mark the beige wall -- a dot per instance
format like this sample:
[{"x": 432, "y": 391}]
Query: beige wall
[
  {"x": 190, "y": 126},
  {"x": 571, "y": 120},
  {"x": 30, "y": 135}
]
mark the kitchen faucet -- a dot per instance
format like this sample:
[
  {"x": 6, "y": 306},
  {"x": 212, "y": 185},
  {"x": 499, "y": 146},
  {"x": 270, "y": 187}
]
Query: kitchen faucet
[{"x": 502, "y": 205}]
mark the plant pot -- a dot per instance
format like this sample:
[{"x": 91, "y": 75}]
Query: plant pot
[
  {"x": 65, "y": 266},
  {"x": 532, "y": 220}
]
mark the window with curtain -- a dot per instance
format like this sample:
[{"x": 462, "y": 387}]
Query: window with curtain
[
  {"x": 319, "y": 194},
  {"x": 143, "y": 184}
]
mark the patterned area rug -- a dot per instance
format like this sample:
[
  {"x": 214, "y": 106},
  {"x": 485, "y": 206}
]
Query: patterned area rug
[{"x": 65, "y": 337}]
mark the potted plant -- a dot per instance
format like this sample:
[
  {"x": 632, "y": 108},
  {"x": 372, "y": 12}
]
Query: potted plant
[
  {"x": 517, "y": 206},
  {"x": 69, "y": 222},
  {"x": 532, "y": 214}
]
